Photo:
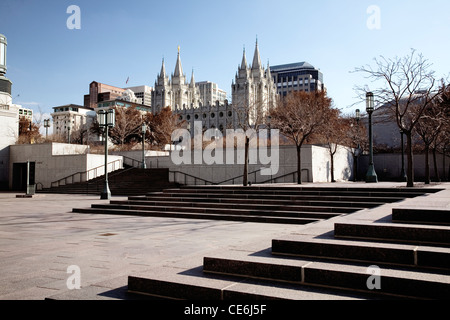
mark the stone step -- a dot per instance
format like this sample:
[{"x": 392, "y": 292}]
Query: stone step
[
  {"x": 194, "y": 284},
  {"x": 204, "y": 216},
  {"x": 421, "y": 216},
  {"x": 389, "y": 232},
  {"x": 288, "y": 208},
  {"x": 297, "y": 200},
  {"x": 293, "y": 195},
  {"x": 253, "y": 202},
  {"x": 370, "y": 252},
  {"x": 292, "y": 192},
  {"x": 338, "y": 275},
  {"x": 319, "y": 189},
  {"x": 215, "y": 209}
]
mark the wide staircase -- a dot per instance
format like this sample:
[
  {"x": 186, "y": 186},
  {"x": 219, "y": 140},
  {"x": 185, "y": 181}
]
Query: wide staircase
[
  {"x": 406, "y": 257},
  {"x": 265, "y": 204},
  {"x": 124, "y": 182}
]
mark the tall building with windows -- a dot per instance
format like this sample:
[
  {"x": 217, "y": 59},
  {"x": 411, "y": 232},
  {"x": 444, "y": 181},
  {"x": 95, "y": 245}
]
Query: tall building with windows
[
  {"x": 143, "y": 93},
  {"x": 210, "y": 93},
  {"x": 299, "y": 76},
  {"x": 70, "y": 118},
  {"x": 101, "y": 92}
]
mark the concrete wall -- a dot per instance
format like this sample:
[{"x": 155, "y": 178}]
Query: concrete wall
[
  {"x": 56, "y": 161},
  {"x": 388, "y": 166},
  {"x": 315, "y": 167},
  {"x": 9, "y": 131}
]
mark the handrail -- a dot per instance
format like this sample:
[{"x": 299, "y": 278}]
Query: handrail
[
  {"x": 80, "y": 173},
  {"x": 233, "y": 179},
  {"x": 285, "y": 175},
  {"x": 132, "y": 161},
  {"x": 191, "y": 176},
  {"x": 240, "y": 176}
]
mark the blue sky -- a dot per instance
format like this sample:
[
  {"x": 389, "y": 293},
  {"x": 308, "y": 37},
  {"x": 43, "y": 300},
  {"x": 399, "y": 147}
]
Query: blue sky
[{"x": 51, "y": 65}]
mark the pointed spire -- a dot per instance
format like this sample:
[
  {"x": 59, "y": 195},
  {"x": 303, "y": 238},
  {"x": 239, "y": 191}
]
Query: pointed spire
[
  {"x": 178, "y": 69},
  {"x": 244, "y": 61},
  {"x": 269, "y": 74},
  {"x": 163, "y": 69},
  {"x": 256, "y": 57},
  {"x": 192, "y": 84}
]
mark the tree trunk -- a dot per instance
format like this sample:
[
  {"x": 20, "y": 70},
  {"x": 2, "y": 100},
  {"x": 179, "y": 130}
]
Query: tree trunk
[
  {"x": 245, "y": 177},
  {"x": 299, "y": 164},
  {"x": 332, "y": 167},
  {"x": 436, "y": 169},
  {"x": 427, "y": 164},
  {"x": 409, "y": 153}
]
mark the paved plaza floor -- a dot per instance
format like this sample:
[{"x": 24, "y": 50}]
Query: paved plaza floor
[{"x": 41, "y": 239}]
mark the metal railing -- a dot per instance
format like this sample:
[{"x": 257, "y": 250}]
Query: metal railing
[
  {"x": 133, "y": 161},
  {"x": 187, "y": 175},
  {"x": 87, "y": 175},
  {"x": 233, "y": 180}
]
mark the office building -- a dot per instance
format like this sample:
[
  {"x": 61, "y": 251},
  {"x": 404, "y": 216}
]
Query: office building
[{"x": 300, "y": 76}]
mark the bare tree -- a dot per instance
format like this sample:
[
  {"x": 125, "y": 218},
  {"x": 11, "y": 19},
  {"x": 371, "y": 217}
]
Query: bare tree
[
  {"x": 298, "y": 116},
  {"x": 126, "y": 131},
  {"x": 408, "y": 88},
  {"x": 251, "y": 116},
  {"x": 161, "y": 126},
  {"x": 28, "y": 131},
  {"x": 356, "y": 140}
]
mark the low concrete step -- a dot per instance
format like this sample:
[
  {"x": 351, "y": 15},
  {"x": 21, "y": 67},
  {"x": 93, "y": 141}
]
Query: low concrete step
[
  {"x": 244, "y": 205},
  {"x": 252, "y": 202},
  {"x": 421, "y": 216},
  {"x": 367, "y": 193},
  {"x": 294, "y": 199},
  {"x": 369, "y": 252},
  {"x": 205, "y": 216},
  {"x": 321, "y": 190},
  {"x": 194, "y": 284},
  {"x": 216, "y": 209},
  {"x": 389, "y": 232},
  {"x": 288, "y": 194},
  {"x": 394, "y": 282}
]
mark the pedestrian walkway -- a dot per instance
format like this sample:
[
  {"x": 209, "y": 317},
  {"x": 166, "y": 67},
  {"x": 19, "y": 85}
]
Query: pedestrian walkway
[{"x": 41, "y": 239}]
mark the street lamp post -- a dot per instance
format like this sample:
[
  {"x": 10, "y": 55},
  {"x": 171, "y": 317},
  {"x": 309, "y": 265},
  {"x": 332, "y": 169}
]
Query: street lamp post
[
  {"x": 403, "y": 176},
  {"x": 106, "y": 121},
  {"x": 46, "y": 126},
  {"x": 144, "y": 129},
  {"x": 68, "y": 131},
  {"x": 358, "y": 147},
  {"x": 371, "y": 176}
]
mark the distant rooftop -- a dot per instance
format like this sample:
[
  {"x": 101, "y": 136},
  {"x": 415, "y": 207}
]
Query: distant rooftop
[{"x": 296, "y": 65}]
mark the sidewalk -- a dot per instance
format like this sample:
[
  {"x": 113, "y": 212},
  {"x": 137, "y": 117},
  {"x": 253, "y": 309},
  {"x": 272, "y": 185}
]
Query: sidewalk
[{"x": 40, "y": 238}]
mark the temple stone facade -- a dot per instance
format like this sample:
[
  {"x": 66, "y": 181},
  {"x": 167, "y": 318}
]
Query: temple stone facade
[{"x": 253, "y": 91}]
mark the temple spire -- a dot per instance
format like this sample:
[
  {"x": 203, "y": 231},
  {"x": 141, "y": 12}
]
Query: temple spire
[
  {"x": 244, "y": 61},
  {"x": 178, "y": 68},
  {"x": 163, "y": 69},
  {"x": 256, "y": 57},
  {"x": 192, "y": 84}
]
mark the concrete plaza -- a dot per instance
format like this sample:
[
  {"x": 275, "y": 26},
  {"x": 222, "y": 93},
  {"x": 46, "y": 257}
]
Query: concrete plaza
[{"x": 40, "y": 238}]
